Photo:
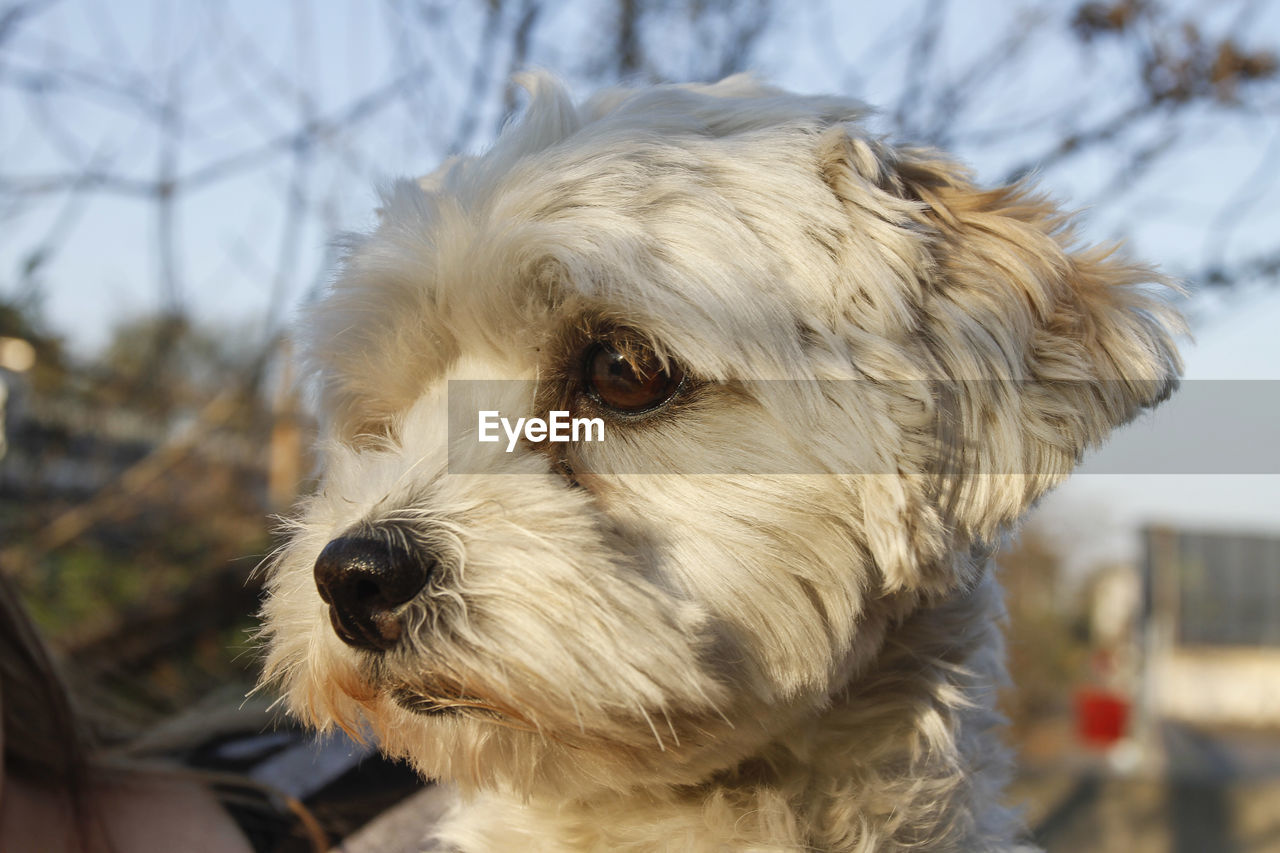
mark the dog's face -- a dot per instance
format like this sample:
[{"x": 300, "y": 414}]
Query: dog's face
[{"x": 828, "y": 372}]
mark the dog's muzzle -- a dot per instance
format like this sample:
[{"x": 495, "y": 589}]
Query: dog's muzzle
[{"x": 366, "y": 582}]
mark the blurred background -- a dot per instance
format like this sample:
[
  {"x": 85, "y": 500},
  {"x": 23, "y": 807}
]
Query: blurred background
[{"x": 172, "y": 175}]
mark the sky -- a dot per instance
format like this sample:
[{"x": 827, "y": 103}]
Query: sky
[{"x": 247, "y": 72}]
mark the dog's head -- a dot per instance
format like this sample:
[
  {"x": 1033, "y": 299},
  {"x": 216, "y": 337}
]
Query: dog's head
[{"x": 828, "y": 372}]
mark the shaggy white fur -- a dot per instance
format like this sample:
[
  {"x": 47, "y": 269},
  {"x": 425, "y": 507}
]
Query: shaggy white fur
[{"x": 759, "y": 615}]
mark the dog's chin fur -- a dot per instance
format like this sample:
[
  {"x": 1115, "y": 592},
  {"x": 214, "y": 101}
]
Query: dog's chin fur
[{"x": 762, "y": 616}]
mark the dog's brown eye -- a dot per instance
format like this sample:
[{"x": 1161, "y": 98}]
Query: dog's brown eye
[{"x": 632, "y": 381}]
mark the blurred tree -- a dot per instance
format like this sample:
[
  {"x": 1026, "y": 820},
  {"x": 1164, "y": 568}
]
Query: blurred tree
[
  {"x": 21, "y": 317},
  {"x": 1046, "y": 655},
  {"x": 294, "y": 111},
  {"x": 162, "y": 363}
]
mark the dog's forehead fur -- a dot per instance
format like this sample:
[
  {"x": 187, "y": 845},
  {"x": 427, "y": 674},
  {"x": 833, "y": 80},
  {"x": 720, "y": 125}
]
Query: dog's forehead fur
[{"x": 701, "y": 216}]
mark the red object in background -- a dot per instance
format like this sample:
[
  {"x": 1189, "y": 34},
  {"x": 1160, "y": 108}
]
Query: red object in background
[{"x": 1101, "y": 717}]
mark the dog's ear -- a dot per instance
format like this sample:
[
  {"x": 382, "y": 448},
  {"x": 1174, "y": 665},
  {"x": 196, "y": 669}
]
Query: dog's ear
[
  {"x": 1043, "y": 347},
  {"x": 1038, "y": 348}
]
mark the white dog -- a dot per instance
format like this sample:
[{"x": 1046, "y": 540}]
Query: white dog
[{"x": 756, "y": 612}]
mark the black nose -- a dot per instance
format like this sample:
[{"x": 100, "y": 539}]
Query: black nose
[{"x": 365, "y": 581}]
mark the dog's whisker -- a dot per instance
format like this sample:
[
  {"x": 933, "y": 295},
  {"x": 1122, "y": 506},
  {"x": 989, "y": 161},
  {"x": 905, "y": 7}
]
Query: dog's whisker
[
  {"x": 654, "y": 729},
  {"x": 675, "y": 738}
]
